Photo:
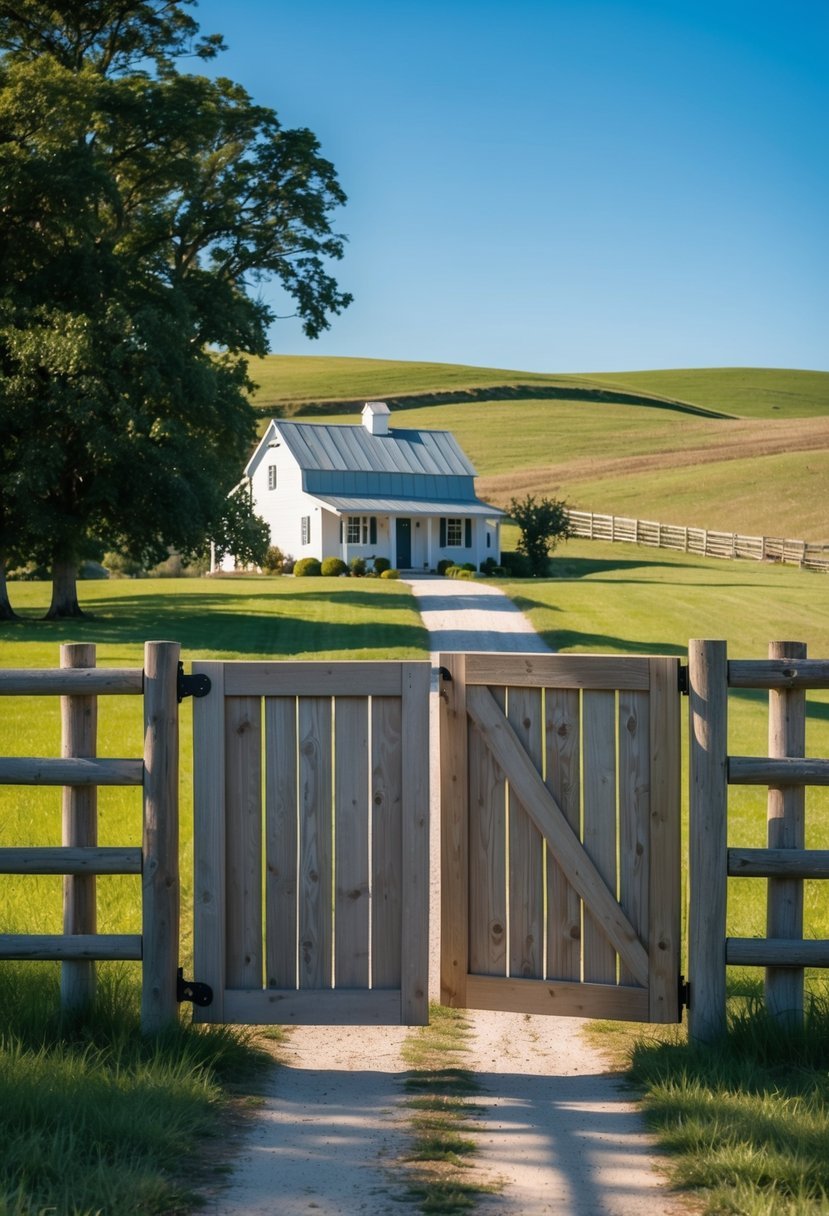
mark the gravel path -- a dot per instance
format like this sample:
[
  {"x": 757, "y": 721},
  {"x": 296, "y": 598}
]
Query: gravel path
[{"x": 559, "y": 1132}]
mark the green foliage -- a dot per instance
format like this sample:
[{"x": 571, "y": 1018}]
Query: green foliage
[
  {"x": 542, "y": 524},
  {"x": 240, "y": 531},
  {"x": 516, "y": 565},
  {"x": 444, "y": 564},
  {"x": 273, "y": 561},
  {"x": 138, "y": 208},
  {"x": 464, "y": 572},
  {"x": 357, "y": 566},
  {"x": 390, "y": 573},
  {"x": 380, "y": 564},
  {"x": 333, "y": 567},
  {"x": 307, "y": 567}
]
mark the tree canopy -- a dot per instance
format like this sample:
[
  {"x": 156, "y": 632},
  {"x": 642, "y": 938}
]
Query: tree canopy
[
  {"x": 543, "y": 523},
  {"x": 140, "y": 209}
]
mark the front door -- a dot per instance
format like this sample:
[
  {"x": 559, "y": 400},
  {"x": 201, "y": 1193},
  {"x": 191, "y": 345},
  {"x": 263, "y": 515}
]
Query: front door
[{"x": 404, "y": 544}]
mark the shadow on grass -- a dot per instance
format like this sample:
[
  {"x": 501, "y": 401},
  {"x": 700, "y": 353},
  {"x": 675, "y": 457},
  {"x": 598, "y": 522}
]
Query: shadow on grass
[{"x": 205, "y": 622}]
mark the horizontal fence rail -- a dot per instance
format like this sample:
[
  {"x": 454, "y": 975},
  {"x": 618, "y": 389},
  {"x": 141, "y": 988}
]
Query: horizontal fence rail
[{"x": 704, "y": 542}]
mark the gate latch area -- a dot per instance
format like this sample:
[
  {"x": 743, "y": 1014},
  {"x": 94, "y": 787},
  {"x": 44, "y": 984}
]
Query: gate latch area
[
  {"x": 191, "y": 686},
  {"x": 189, "y": 990}
]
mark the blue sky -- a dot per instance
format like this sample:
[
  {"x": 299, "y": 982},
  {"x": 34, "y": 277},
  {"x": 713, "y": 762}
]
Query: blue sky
[{"x": 561, "y": 185}]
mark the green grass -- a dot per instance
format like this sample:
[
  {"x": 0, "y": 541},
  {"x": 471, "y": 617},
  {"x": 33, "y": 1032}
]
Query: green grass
[
  {"x": 96, "y": 1119},
  {"x": 750, "y": 392},
  {"x": 442, "y": 1112}
]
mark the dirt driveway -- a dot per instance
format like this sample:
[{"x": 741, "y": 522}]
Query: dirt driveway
[{"x": 559, "y": 1131}]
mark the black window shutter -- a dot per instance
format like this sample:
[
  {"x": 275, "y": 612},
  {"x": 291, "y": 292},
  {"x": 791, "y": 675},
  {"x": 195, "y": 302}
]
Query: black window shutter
[
  {"x": 372, "y": 530},
  {"x": 468, "y": 533},
  {"x": 443, "y": 534}
]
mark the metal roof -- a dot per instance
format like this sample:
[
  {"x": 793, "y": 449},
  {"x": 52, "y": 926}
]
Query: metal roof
[
  {"x": 408, "y": 506},
  {"x": 322, "y": 446}
]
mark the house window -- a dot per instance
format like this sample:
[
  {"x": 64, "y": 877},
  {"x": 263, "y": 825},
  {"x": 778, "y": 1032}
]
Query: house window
[
  {"x": 271, "y": 476},
  {"x": 359, "y": 529},
  {"x": 306, "y": 529},
  {"x": 454, "y": 532}
]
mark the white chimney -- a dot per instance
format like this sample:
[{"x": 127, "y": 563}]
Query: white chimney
[{"x": 376, "y": 417}]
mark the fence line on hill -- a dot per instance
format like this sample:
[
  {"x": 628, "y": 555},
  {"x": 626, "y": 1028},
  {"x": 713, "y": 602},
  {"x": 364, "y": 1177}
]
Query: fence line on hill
[{"x": 705, "y": 542}]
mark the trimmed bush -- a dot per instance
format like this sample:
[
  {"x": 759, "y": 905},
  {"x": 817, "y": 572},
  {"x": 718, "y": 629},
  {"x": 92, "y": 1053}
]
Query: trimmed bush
[
  {"x": 444, "y": 564},
  {"x": 390, "y": 573},
  {"x": 488, "y": 565},
  {"x": 333, "y": 567},
  {"x": 307, "y": 567},
  {"x": 274, "y": 561},
  {"x": 517, "y": 565},
  {"x": 381, "y": 564},
  {"x": 357, "y": 566}
]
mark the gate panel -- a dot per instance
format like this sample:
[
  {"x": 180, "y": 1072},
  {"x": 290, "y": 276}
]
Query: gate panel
[
  {"x": 311, "y": 842},
  {"x": 560, "y": 823}
]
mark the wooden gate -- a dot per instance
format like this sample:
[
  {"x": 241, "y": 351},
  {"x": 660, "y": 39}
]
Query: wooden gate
[
  {"x": 560, "y": 878},
  {"x": 312, "y": 842}
]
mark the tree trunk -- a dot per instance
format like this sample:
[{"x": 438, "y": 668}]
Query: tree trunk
[
  {"x": 7, "y": 613},
  {"x": 64, "y": 591}
]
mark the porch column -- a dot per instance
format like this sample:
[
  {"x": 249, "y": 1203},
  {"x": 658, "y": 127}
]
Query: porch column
[
  {"x": 393, "y": 541},
  {"x": 429, "y": 562}
]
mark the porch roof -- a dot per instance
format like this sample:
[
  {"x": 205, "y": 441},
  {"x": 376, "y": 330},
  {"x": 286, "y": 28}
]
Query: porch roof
[{"x": 347, "y": 505}]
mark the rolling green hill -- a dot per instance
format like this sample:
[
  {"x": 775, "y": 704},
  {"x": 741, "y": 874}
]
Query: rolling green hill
[{"x": 743, "y": 450}]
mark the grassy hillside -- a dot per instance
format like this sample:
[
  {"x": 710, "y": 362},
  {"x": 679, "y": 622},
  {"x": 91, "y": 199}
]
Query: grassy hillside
[{"x": 617, "y": 443}]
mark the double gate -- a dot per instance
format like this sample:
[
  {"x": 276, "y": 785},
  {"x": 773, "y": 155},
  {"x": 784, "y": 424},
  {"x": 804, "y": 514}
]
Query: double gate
[{"x": 559, "y": 788}]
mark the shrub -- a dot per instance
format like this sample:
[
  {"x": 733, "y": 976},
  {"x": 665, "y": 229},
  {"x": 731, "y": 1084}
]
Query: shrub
[
  {"x": 274, "y": 561},
  {"x": 488, "y": 565},
  {"x": 121, "y": 566},
  {"x": 516, "y": 565},
  {"x": 381, "y": 564},
  {"x": 444, "y": 564},
  {"x": 288, "y": 564},
  {"x": 357, "y": 566},
  {"x": 307, "y": 567},
  {"x": 543, "y": 524},
  {"x": 470, "y": 566},
  {"x": 333, "y": 567},
  {"x": 389, "y": 573}
]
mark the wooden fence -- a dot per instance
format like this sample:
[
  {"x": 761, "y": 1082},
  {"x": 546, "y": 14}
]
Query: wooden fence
[
  {"x": 80, "y": 771},
  {"x": 785, "y": 862},
  {"x": 704, "y": 542}
]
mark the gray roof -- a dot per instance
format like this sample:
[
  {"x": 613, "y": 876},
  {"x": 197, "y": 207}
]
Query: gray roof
[
  {"x": 324, "y": 447},
  {"x": 348, "y": 504}
]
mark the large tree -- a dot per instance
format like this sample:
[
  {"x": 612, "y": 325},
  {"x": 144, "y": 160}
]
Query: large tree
[{"x": 140, "y": 208}]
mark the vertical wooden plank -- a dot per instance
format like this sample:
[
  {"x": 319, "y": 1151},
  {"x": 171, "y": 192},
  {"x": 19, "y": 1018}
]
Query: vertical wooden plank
[
  {"x": 487, "y": 844},
  {"x": 315, "y": 844},
  {"x": 160, "y": 865},
  {"x": 526, "y": 847},
  {"x": 664, "y": 912},
  {"x": 454, "y": 798},
  {"x": 634, "y": 813},
  {"x": 281, "y": 842},
  {"x": 414, "y": 980},
  {"x": 209, "y": 928},
  {"x": 386, "y": 841},
  {"x": 564, "y": 782},
  {"x": 351, "y": 820},
  {"x": 243, "y": 841},
  {"x": 786, "y": 830},
  {"x": 79, "y": 736},
  {"x": 599, "y": 728},
  {"x": 708, "y": 721}
]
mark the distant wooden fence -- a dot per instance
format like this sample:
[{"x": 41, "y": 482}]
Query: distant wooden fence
[
  {"x": 79, "y": 771},
  {"x": 785, "y": 862},
  {"x": 705, "y": 542}
]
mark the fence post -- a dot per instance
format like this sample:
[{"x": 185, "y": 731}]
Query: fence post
[
  {"x": 708, "y": 720},
  {"x": 160, "y": 876},
  {"x": 79, "y": 807},
  {"x": 786, "y": 830}
]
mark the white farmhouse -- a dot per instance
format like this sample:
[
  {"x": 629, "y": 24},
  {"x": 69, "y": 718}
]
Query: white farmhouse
[{"x": 368, "y": 491}]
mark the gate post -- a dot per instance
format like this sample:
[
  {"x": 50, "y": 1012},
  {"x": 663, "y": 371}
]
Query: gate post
[
  {"x": 160, "y": 871},
  {"x": 786, "y": 830},
  {"x": 708, "y": 720},
  {"x": 79, "y": 805}
]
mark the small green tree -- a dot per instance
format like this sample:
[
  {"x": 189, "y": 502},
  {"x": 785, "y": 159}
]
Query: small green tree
[{"x": 543, "y": 523}]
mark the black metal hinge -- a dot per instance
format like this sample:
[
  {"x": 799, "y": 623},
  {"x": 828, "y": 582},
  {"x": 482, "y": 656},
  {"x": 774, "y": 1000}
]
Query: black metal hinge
[
  {"x": 191, "y": 686},
  {"x": 189, "y": 990},
  {"x": 445, "y": 674},
  {"x": 684, "y": 994},
  {"x": 684, "y": 686}
]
